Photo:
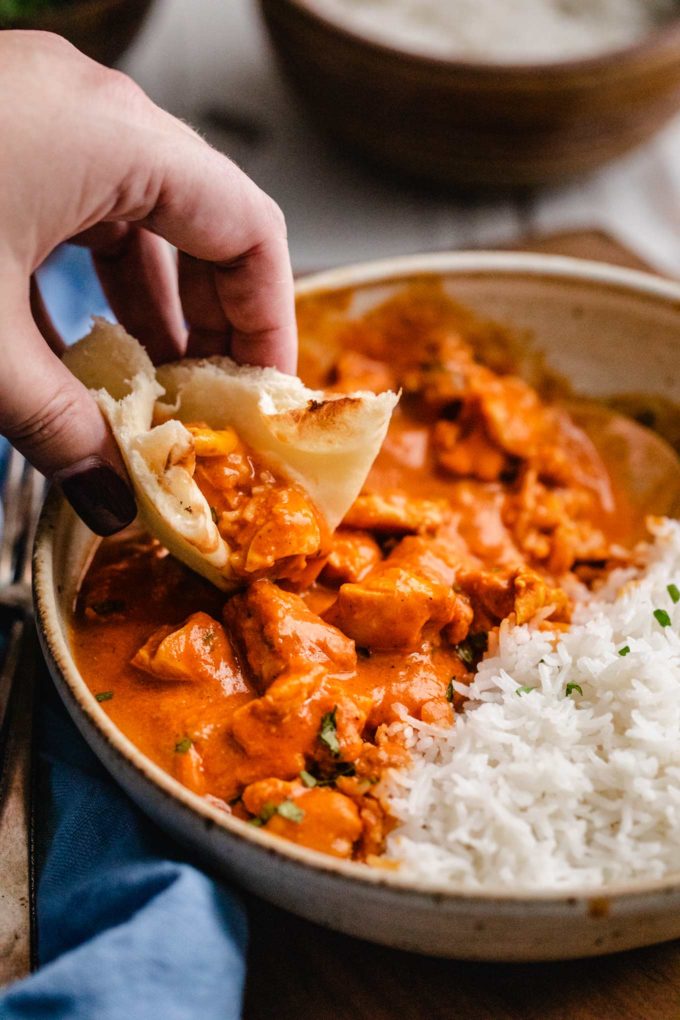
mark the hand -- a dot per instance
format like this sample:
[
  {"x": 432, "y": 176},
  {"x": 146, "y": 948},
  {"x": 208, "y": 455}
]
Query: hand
[{"x": 86, "y": 156}]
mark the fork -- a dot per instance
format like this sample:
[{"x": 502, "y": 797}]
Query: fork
[{"x": 21, "y": 501}]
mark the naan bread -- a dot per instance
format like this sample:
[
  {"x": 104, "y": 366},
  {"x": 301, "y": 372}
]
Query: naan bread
[{"x": 324, "y": 444}]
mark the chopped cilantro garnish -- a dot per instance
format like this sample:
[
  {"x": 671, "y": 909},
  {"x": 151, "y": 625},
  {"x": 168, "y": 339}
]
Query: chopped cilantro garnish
[
  {"x": 307, "y": 779},
  {"x": 662, "y": 617},
  {"x": 571, "y": 687},
  {"x": 524, "y": 690},
  {"x": 287, "y": 809},
  {"x": 625, "y": 650},
  {"x": 328, "y": 734},
  {"x": 674, "y": 593},
  {"x": 183, "y": 745},
  {"x": 473, "y": 647},
  {"x": 449, "y": 690},
  {"x": 290, "y": 811},
  {"x": 265, "y": 814},
  {"x": 104, "y": 696}
]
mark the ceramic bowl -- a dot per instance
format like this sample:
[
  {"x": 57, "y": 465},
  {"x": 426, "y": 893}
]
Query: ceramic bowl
[
  {"x": 458, "y": 122},
  {"x": 611, "y": 332}
]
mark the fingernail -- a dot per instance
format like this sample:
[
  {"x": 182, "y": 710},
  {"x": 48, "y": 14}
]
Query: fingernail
[{"x": 98, "y": 494}]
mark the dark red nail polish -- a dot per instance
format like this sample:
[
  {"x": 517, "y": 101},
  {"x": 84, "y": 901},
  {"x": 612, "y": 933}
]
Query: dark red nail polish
[{"x": 98, "y": 494}]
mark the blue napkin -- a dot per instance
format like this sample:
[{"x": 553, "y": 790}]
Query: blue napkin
[{"x": 128, "y": 928}]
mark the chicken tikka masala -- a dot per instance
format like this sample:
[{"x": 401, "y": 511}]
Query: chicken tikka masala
[{"x": 285, "y": 703}]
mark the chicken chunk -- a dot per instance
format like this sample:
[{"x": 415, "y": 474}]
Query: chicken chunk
[
  {"x": 406, "y": 594},
  {"x": 277, "y": 633},
  {"x": 396, "y": 514},
  {"x": 467, "y": 452},
  {"x": 553, "y": 526},
  {"x": 494, "y": 596},
  {"x": 321, "y": 818},
  {"x": 417, "y": 682},
  {"x": 514, "y": 416},
  {"x": 352, "y": 556},
  {"x": 391, "y": 608},
  {"x": 300, "y": 718},
  {"x": 197, "y": 650}
]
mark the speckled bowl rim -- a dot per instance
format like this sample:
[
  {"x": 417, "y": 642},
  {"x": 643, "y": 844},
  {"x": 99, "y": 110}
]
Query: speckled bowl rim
[
  {"x": 657, "y": 40},
  {"x": 633, "y": 896}
]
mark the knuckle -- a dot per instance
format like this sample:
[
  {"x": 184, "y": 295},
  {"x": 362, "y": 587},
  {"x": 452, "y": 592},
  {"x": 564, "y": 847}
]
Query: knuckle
[
  {"x": 50, "y": 42},
  {"x": 48, "y": 422},
  {"x": 121, "y": 88},
  {"x": 275, "y": 216}
]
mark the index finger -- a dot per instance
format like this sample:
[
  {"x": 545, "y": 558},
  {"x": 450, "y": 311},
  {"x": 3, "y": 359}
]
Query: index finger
[{"x": 211, "y": 210}]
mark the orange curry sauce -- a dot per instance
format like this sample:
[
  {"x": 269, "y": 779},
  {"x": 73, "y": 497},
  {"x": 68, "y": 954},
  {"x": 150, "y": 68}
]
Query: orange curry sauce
[{"x": 284, "y": 703}]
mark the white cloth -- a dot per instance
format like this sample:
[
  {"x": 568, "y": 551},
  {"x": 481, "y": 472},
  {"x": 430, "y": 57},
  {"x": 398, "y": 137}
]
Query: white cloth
[{"x": 213, "y": 55}]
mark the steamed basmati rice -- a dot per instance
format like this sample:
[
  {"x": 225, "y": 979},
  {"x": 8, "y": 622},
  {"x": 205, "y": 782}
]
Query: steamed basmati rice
[{"x": 542, "y": 788}]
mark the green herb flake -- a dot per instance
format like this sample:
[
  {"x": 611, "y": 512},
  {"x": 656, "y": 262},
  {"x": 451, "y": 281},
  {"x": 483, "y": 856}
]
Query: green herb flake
[
  {"x": 571, "y": 687},
  {"x": 267, "y": 812},
  {"x": 674, "y": 593},
  {"x": 213, "y": 514},
  {"x": 328, "y": 733},
  {"x": 287, "y": 809},
  {"x": 307, "y": 779},
  {"x": 662, "y": 617},
  {"x": 208, "y": 638},
  {"x": 473, "y": 647},
  {"x": 183, "y": 745},
  {"x": 524, "y": 690},
  {"x": 449, "y": 691},
  {"x": 290, "y": 811},
  {"x": 104, "y": 696},
  {"x": 625, "y": 650}
]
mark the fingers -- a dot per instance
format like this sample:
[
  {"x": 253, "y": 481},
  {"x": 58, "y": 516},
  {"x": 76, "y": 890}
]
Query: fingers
[
  {"x": 257, "y": 293},
  {"x": 43, "y": 321},
  {"x": 209, "y": 329},
  {"x": 214, "y": 213},
  {"x": 52, "y": 419},
  {"x": 138, "y": 272}
]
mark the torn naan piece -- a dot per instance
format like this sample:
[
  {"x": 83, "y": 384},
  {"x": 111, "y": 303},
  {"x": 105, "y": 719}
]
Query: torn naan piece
[{"x": 241, "y": 472}]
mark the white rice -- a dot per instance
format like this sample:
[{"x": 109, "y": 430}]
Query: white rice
[
  {"x": 503, "y": 30},
  {"x": 539, "y": 789}
]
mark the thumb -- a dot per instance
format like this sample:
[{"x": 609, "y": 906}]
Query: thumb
[{"x": 53, "y": 420}]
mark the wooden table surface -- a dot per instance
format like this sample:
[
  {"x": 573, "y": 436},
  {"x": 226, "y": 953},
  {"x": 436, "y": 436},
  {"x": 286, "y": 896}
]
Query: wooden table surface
[{"x": 298, "y": 971}]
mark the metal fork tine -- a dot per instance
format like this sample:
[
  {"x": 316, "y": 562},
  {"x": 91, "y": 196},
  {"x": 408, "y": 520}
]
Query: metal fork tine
[{"x": 12, "y": 512}]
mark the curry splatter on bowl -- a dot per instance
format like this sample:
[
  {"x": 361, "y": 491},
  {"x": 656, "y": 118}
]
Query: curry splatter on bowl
[{"x": 575, "y": 322}]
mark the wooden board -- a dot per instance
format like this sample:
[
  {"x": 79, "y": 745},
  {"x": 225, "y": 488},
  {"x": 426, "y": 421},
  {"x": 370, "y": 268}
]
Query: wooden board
[{"x": 298, "y": 971}]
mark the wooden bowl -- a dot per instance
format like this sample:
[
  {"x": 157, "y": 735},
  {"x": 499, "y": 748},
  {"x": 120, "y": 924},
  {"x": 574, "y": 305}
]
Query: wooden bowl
[
  {"x": 103, "y": 29},
  {"x": 454, "y": 122},
  {"x": 609, "y": 331}
]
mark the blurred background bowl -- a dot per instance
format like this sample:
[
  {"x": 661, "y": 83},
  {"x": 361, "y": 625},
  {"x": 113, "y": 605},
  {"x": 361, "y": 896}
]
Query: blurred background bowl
[
  {"x": 103, "y": 29},
  {"x": 456, "y": 122}
]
